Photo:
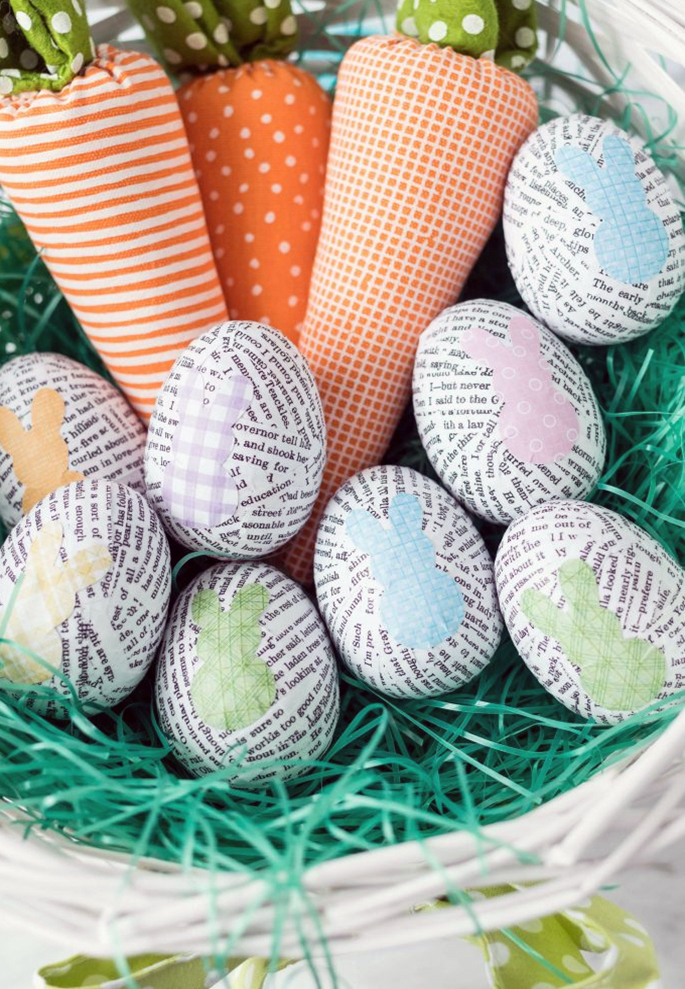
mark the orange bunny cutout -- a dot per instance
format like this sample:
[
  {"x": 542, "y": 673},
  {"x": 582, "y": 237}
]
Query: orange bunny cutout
[{"x": 40, "y": 456}]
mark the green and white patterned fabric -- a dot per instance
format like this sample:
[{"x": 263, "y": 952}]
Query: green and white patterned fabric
[
  {"x": 43, "y": 44},
  {"x": 594, "y": 946},
  {"x": 206, "y": 34},
  {"x": 504, "y": 30}
]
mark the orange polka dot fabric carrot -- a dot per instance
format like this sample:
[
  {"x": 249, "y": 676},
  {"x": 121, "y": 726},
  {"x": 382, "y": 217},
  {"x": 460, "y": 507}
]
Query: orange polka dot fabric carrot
[
  {"x": 259, "y": 139},
  {"x": 259, "y": 130},
  {"x": 97, "y": 165},
  {"x": 421, "y": 144}
]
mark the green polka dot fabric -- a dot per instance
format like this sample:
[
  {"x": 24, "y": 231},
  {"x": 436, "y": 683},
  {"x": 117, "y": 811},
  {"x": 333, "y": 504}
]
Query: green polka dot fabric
[
  {"x": 200, "y": 35},
  {"x": 43, "y": 44},
  {"x": 597, "y": 945},
  {"x": 503, "y": 30}
]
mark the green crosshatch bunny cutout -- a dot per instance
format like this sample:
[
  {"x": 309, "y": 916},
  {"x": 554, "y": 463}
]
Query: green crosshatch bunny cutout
[
  {"x": 234, "y": 687},
  {"x": 617, "y": 673}
]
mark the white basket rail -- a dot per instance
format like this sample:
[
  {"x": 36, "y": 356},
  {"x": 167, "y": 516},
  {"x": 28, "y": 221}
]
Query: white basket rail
[{"x": 555, "y": 856}]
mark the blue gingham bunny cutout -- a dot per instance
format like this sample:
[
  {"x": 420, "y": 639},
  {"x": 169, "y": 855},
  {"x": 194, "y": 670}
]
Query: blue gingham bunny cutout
[
  {"x": 631, "y": 242},
  {"x": 421, "y": 605}
]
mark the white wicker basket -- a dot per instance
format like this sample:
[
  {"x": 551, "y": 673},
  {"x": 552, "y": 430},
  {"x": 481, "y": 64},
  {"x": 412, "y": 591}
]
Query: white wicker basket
[{"x": 90, "y": 900}]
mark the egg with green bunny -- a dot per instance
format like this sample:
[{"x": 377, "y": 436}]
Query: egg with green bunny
[
  {"x": 593, "y": 232},
  {"x": 246, "y": 679},
  {"x": 596, "y": 608}
]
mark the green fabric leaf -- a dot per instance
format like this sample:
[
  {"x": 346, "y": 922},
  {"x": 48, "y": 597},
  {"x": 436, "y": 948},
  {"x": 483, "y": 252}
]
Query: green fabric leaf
[
  {"x": 151, "y": 971},
  {"x": 43, "y": 44},
  {"x": 518, "y": 41},
  {"x": 206, "y": 34},
  {"x": 504, "y": 30}
]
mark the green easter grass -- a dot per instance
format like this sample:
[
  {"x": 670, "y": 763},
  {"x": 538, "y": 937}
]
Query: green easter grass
[{"x": 397, "y": 770}]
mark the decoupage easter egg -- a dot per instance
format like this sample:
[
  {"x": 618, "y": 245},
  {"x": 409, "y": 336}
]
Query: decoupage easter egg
[
  {"x": 596, "y": 608},
  {"x": 236, "y": 443},
  {"x": 405, "y": 584},
  {"x": 246, "y": 676},
  {"x": 505, "y": 412},
  {"x": 84, "y": 585},
  {"x": 60, "y": 422},
  {"x": 594, "y": 237}
]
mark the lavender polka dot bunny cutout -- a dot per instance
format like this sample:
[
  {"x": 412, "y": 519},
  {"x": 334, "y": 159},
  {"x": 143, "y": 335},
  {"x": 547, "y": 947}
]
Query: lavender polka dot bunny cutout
[
  {"x": 537, "y": 423},
  {"x": 421, "y": 605}
]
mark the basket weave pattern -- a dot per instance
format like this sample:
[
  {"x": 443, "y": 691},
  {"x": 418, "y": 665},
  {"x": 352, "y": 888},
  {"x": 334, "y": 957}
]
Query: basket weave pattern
[{"x": 81, "y": 896}]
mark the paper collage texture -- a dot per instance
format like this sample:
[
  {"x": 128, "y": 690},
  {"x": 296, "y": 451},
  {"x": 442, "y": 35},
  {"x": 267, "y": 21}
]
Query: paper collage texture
[
  {"x": 505, "y": 412},
  {"x": 596, "y": 608},
  {"x": 594, "y": 238},
  {"x": 60, "y": 422},
  {"x": 405, "y": 584}
]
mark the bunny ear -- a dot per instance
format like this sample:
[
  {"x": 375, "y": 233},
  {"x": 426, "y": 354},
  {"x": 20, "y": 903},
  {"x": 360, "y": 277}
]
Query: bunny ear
[
  {"x": 12, "y": 433},
  {"x": 578, "y": 166},
  {"x": 364, "y": 531},
  {"x": 191, "y": 389},
  {"x": 406, "y": 512},
  {"x": 524, "y": 333},
  {"x": 618, "y": 156},
  {"x": 249, "y": 603},
  {"x": 541, "y": 612},
  {"x": 44, "y": 548},
  {"x": 481, "y": 345},
  {"x": 47, "y": 410},
  {"x": 236, "y": 394},
  {"x": 578, "y": 582},
  {"x": 88, "y": 566},
  {"x": 206, "y": 608}
]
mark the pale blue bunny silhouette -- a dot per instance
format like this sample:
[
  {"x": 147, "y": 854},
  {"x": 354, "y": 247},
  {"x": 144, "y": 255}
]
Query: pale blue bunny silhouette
[
  {"x": 421, "y": 605},
  {"x": 632, "y": 242}
]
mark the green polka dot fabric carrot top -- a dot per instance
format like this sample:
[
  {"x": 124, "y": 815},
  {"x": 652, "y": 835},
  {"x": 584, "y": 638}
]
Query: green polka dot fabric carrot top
[
  {"x": 504, "y": 30},
  {"x": 206, "y": 34},
  {"x": 43, "y": 44},
  {"x": 82, "y": 133},
  {"x": 259, "y": 129}
]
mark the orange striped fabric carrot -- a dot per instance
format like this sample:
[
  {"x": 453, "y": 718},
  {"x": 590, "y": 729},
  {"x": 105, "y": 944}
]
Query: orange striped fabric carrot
[
  {"x": 258, "y": 128},
  {"x": 100, "y": 172},
  {"x": 421, "y": 144}
]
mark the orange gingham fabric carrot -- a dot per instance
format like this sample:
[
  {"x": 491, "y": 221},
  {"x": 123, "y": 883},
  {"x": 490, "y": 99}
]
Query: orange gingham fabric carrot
[
  {"x": 422, "y": 140},
  {"x": 258, "y": 133},
  {"x": 100, "y": 172}
]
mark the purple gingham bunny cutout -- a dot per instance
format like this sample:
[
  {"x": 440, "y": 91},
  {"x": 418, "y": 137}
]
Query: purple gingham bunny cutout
[{"x": 196, "y": 486}]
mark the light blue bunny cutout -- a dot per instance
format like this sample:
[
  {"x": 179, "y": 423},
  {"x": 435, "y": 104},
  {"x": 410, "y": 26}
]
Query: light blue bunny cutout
[
  {"x": 631, "y": 243},
  {"x": 421, "y": 605}
]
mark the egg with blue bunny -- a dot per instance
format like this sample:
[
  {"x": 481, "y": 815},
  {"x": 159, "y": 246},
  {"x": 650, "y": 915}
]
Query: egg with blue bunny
[
  {"x": 405, "y": 584},
  {"x": 593, "y": 233}
]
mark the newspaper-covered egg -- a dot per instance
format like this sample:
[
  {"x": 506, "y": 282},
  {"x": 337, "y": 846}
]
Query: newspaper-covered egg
[
  {"x": 506, "y": 414},
  {"x": 60, "y": 422},
  {"x": 84, "y": 591},
  {"x": 596, "y": 608},
  {"x": 405, "y": 584},
  {"x": 246, "y": 676},
  {"x": 594, "y": 237},
  {"x": 237, "y": 443}
]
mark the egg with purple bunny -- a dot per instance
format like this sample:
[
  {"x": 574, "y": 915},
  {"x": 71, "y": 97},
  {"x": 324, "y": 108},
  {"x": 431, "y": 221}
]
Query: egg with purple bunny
[
  {"x": 594, "y": 237},
  {"x": 405, "y": 584},
  {"x": 236, "y": 444},
  {"x": 506, "y": 414}
]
